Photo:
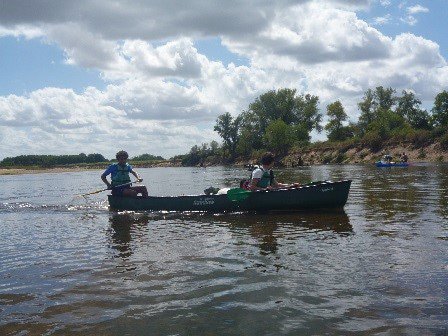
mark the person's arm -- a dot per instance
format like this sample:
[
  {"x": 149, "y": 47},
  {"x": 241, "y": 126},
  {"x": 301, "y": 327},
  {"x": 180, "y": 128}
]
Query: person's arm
[
  {"x": 253, "y": 185},
  {"x": 104, "y": 177},
  {"x": 137, "y": 176},
  {"x": 276, "y": 185}
]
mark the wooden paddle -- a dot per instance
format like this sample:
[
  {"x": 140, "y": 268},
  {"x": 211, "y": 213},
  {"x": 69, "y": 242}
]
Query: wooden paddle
[{"x": 98, "y": 191}]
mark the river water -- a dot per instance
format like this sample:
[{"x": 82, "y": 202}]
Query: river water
[{"x": 69, "y": 266}]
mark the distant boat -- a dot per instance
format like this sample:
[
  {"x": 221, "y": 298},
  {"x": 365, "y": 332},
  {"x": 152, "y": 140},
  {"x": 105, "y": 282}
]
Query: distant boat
[{"x": 391, "y": 164}]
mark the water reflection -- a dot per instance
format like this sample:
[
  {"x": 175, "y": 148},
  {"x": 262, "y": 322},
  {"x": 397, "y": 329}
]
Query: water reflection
[
  {"x": 390, "y": 193},
  {"x": 123, "y": 226},
  {"x": 268, "y": 228},
  {"x": 442, "y": 176}
]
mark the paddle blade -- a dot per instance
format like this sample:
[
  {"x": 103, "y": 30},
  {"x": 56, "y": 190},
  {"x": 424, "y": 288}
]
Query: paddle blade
[
  {"x": 238, "y": 194},
  {"x": 92, "y": 193}
]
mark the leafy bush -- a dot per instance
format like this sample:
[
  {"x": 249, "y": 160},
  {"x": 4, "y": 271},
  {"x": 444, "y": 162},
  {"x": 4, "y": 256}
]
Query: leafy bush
[
  {"x": 147, "y": 157},
  {"x": 373, "y": 140},
  {"x": 420, "y": 138},
  {"x": 421, "y": 154},
  {"x": 340, "y": 158},
  {"x": 444, "y": 142},
  {"x": 326, "y": 159}
]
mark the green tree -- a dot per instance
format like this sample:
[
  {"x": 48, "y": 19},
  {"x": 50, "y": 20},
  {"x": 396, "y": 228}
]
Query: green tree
[
  {"x": 147, "y": 157},
  {"x": 300, "y": 134},
  {"x": 367, "y": 107},
  {"x": 274, "y": 105},
  {"x": 247, "y": 142},
  {"x": 440, "y": 109},
  {"x": 284, "y": 105},
  {"x": 335, "y": 128},
  {"x": 228, "y": 129},
  {"x": 279, "y": 136},
  {"x": 409, "y": 107},
  {"x": 193, "y": 158},
  {"x": 214, "y": 147},
  {"x": 307, "y": 113},
  {"x": 384, "y": 98},
  {"x": 386, "y": 122},
  {"x": 251, "y": 131},
  {"x": 373, "y": 103}
]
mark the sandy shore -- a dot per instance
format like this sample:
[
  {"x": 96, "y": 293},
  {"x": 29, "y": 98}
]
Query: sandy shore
[
  {"x": 20, "y": 171},
  {"x": 99, "y": 168}
]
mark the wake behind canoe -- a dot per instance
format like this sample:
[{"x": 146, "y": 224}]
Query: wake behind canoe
[{"x": 324, "y": 195}]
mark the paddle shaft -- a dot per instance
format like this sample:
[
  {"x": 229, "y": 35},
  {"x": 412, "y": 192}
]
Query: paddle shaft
[{"x": 118, "y": 186}]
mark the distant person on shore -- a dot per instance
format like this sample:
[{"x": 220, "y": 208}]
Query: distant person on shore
[
  {"x": 404, "y": 157},
  {"x": 120, "y": 180},
  {"x": 263, "y": 177}
]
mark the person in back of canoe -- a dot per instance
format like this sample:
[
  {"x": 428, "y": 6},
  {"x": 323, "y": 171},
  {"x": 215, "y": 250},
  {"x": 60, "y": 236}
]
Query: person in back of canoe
[
  {"x": 120, "y": 179},
  {"x": 404, "y": 158},
  {"x": 386, "y": 159},
  {"x": 263, "y": 177}
]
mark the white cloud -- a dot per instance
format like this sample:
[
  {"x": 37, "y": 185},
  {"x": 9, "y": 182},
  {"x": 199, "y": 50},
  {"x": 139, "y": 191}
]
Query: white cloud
[
  {"x": 382, "y": 20},
  {"x": 385, "y": 3},
  {"x": 417, "y": 9},
  {"x": 68, "y": 122},
  {"x": 409, "y": 19},
  {"x": 163, "y": 95},
  {"x": 26, "y": 31},
  {"x": 314, "y": 33}
]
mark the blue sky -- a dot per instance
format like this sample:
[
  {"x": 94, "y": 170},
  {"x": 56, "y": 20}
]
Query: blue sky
[
  {"x": 28, "y": 65},
  {"x": 156, "y": 75}
]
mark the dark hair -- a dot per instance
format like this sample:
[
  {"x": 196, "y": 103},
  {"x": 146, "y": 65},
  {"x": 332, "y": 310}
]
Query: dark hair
[
  {"x": 122, "y": 153},
  {"x": 267, "y": 158}
]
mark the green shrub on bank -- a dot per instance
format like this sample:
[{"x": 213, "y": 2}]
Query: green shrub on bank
[
  {"x": 444, "y": 142},
  {"x": 373, "y": 140}
]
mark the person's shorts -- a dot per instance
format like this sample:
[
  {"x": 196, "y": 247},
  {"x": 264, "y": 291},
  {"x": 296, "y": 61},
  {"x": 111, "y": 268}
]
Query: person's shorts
[{"x": 119, "y": 191}]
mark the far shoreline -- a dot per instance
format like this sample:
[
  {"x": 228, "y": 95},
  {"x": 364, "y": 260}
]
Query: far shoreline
[
  {"x": 23, "y": 171},
  {"x": 58, "y": 170},
  {"x": 316, "y": 155}
]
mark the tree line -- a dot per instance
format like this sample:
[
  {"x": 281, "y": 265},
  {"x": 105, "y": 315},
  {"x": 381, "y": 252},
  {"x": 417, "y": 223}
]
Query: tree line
[
  {"x": 55, "y": 160},
  {"x": 279, "y": 120}
]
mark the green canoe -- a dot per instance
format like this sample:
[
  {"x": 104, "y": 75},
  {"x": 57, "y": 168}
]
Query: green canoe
[{"x": 317, "y": 195}]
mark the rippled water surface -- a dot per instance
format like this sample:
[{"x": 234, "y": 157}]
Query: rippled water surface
[{"x": 380, "y": 267}]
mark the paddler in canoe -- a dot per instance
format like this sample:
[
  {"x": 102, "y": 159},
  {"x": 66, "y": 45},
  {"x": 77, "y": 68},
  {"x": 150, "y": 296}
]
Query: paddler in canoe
[
  {"x": 121, "y": 184},
  {"x": 263, "y": 178}
]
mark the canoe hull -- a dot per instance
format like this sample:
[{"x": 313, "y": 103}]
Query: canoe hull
[{"x": 326, "y": 195}]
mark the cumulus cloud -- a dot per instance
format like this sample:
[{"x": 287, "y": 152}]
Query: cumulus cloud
[
  {"x": 315, "y": 33},
  {"x": 65, "y": 121},
  {"x": 382, "y": 20},
  {"x": 410, "y": 18},
  {"x": 163, "y": 95},
  {"x": 417, "y": 9}
]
